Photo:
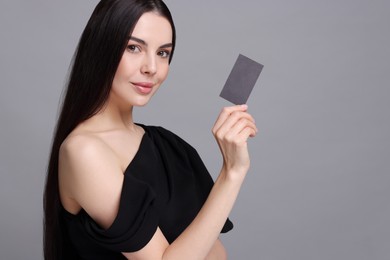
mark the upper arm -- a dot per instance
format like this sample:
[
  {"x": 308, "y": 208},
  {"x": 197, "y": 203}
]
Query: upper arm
[
  {"x": 153, "y": 250},
  {"x": 217, "y": 252},
  {"x": 157, "y": 245},
  {"x": 89, "y": 173}
]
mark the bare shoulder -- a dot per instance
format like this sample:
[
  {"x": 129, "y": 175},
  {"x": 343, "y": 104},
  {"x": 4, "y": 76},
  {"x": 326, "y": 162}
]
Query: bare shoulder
[
  {"x": 83, "y": 147},
  {"x": 90, "y": 177},
  {"x": 82, "y": 155}
]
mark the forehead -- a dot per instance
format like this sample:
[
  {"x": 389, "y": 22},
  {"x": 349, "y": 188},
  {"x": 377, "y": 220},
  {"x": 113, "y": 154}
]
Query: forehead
[{"x": 152, "y": 27}]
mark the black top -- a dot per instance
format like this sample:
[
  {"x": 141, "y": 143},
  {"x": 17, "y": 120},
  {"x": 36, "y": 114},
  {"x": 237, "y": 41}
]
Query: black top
[{"x": 164, "y": 186}]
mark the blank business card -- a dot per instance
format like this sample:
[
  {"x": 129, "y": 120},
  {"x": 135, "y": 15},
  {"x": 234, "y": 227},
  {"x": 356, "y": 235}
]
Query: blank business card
[{"x": 241, "y": 80}]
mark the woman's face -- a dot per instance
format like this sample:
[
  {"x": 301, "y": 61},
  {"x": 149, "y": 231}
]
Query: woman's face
[{"x": 145, "y": 62}]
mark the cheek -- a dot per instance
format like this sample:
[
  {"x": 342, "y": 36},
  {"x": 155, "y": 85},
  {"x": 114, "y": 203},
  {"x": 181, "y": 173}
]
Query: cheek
[
  {"x": 164, "y": 72},
  {"x": 121, "y": 76},
  {"x": 125, "y": 68},
  {"x": 119, "y": 72}
]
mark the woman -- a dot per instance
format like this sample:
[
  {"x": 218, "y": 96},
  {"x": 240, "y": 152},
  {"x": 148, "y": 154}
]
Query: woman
[{"x": 120, "y": 190}]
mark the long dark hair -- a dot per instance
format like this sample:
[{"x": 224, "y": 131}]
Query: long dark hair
[{"x": 94, "y": 65}]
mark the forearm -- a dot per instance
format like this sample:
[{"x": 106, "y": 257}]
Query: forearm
[
  {"x": 199, "y": 237},
  {"x": 232, "y": 129}
]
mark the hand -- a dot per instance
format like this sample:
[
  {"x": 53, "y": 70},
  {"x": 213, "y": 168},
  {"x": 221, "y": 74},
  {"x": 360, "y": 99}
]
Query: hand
[{"x": 232, "y": 129}]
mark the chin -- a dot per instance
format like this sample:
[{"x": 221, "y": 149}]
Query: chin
[{"x": 141, "y": 103}]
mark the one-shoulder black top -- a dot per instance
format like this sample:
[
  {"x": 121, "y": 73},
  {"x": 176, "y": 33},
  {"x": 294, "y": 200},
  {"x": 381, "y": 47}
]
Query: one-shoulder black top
[{"x": 164, "y": 186}]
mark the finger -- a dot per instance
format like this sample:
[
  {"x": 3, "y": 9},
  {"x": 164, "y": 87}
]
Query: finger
[
  {"x": 231, "y": 121},
  {"x": 245, "y": 134},
  {"x": 239, "y": 126},
  {"x": 225, "y": 113}
]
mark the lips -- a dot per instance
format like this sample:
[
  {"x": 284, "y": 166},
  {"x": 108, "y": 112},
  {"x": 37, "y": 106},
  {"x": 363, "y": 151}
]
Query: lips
[{"x": 143, "y": 87}]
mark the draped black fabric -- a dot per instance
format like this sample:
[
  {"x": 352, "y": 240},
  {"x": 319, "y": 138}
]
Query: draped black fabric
[{"x": 164, "y": 186}]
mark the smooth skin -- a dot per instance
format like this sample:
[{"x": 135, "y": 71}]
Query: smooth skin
[{"x": 94, "y": 156}]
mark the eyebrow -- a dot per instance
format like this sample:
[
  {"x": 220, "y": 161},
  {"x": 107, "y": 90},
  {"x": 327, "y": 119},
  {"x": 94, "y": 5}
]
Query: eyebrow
[{"x": 167, "y": 45}]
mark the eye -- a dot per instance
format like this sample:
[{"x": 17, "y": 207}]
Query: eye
[
  {"x": 133, "y": 48},
  {"x": 164, "y": 54}
]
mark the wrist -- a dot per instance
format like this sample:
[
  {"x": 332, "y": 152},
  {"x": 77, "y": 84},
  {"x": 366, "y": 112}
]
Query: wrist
[{"x": 233, "y": 175}]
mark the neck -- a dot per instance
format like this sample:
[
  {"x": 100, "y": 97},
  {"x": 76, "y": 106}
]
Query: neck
[{"x": 113, "y": 118}]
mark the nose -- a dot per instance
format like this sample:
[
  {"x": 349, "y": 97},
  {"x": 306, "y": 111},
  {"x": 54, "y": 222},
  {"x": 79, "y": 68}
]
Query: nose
[{"x": 149, "y": 65}]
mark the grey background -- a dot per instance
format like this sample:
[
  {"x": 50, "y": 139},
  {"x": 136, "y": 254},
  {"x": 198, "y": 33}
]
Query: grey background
[{"x": 319, "y": 182}]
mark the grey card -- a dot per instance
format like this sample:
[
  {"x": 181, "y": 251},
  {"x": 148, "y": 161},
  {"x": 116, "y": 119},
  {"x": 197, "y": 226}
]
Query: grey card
[{"x": 241, "y": 80}]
